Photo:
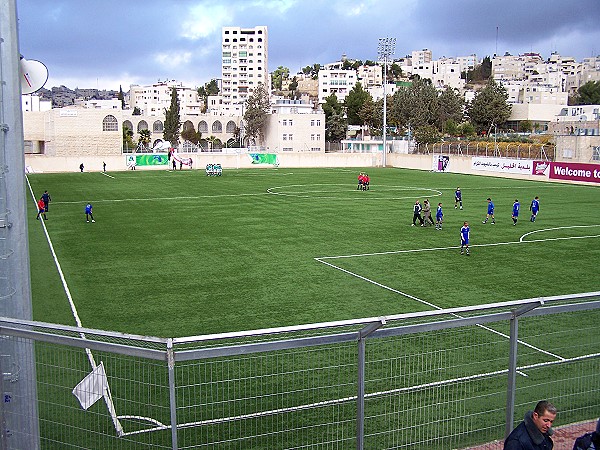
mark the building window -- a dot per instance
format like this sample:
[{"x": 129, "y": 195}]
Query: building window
[
  {"x": 203, "y": 127},
  {"x": 128, "y": 124},
  {"x": 157, "y": 127},
  {"x": 142, "y": 125},
  {"x": 596, "y": 153},
  {"x": 318, "y": 122},
  {"x": 230, "y": 128},
  {"x": 217, "y": 127},
  {"x": 284, "y": 122},
  {"x": 291, "y": 136},
  {"x": 284, "y": 137},
  {"x": 109, "y": 123}
]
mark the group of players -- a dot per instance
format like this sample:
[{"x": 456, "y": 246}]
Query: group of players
[
  {"x": 363, "y": 182},
  {"x": 426, "y": 219}
]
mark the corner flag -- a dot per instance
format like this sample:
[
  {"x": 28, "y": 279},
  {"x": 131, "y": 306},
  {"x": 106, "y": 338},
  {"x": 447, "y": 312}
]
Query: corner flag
[{"x": 92, "y": 387}]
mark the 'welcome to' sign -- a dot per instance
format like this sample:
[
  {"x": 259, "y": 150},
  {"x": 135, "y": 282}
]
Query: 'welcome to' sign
[{"x": 575, "y": 172}]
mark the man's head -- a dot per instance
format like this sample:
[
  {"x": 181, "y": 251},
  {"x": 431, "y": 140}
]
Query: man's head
[{"x": 544, "y": 415}]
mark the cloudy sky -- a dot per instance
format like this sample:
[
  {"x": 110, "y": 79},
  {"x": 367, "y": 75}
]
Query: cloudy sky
[{"x": 107, "y": 43}]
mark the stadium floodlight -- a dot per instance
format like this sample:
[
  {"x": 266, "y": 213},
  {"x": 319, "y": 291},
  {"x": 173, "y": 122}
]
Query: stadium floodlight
[{"x": 385, "y": 49}]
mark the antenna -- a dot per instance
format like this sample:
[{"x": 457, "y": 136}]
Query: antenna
[
  {"x": 496, "y": 40},
  {"x": 33, "y": 74}
]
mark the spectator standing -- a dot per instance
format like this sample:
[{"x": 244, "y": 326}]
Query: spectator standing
[
  {"x": 535, "y": 430},
  {"x": 490, "y": 211},
  {"x": 534, "y": 208},
  {"x": 427, "y": 213},
  {"x": 417, "y": 208},
  {"x": 81, "y": 167}
]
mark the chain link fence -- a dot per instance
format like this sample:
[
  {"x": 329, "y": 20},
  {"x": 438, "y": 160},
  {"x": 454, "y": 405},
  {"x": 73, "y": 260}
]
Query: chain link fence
[{"x": 452, "y": 378}]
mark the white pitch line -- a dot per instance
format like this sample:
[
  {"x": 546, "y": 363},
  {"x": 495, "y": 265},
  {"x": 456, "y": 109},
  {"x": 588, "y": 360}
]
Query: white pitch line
[
  {"x": 412, "y": 297},
  {"x": 119, "y": 200},
  {"x": 106, "y": 394},
  {"x": 107, "y": 175}
]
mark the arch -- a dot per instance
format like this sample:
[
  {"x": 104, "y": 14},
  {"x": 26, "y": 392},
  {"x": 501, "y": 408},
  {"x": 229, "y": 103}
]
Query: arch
[
  {"x": 203, "y": 127},
  {"x": 188, "y": 125},
  {"x": 109, "y": 123},
  {"x": 128, "y": 124},
  {"x": 217, "y": 127},
  {"x": 142, "y": 125},
  {"x": 158, "y": 127},
  {"x": 231, "y": 126}
]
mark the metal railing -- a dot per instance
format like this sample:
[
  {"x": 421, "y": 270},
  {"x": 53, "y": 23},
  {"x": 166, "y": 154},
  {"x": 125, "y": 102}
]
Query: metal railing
[{"x": 449, "y": 378}]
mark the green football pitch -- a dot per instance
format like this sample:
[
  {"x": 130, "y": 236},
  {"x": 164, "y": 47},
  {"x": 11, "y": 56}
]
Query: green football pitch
[{"x": 179, "y": 253}]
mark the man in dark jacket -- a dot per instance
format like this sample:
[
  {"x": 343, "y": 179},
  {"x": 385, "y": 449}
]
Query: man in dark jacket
[{"x": 535, "y": 430}]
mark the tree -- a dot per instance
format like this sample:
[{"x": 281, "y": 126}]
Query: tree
[
  {"x": 172, "y": 120},
  {"x": 489, "y": 108},
  {"x": 210, "y": 88},
  {"x": 466, "y": 129},
  {"x": 588, "y": 94},
  {"x": 121, "y": 97},
  {"x": 293, "y": 87},
  {"x": 427, "y": 134},
  {"x": 136, "y": 111},
  {"x": 395, "y": 71},
  {"x": 371, "y": 115},
  {"x": 415, "y": 105},
  {"x": 450, "y": 107},
  {"x": 354, "y": 102},
  {"x": 144, "y": 136},
  {"x": 526, "y": 126},
  {"x": 128, "y": 138},
  {"x": 191, "y": 135},
  {"x": 479, "y": 73},
  {"x": 335, "y": 122},
  {"x": 256, "y": 114},
  {"x": 277, "y": 77},
  {"x": 313, "y": 71}
]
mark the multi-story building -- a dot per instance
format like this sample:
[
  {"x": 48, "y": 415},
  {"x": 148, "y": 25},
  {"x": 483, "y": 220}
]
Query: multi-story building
[
  {"x": 336, "y": 81},
  {"x": 370, "y": 75},
  {"x": 295, "y": 126},
  {"x": 153, "y": 100},
  {"x": 244, "y": 63}
]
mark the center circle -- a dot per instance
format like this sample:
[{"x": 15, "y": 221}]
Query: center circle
[{"x": 349, "y": 192}]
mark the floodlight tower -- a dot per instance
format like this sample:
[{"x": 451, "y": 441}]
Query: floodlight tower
[{"x": 385, "y": 49}]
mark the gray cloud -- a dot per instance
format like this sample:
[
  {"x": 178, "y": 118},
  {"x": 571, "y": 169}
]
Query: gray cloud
[{"x": 111, "y": 42}]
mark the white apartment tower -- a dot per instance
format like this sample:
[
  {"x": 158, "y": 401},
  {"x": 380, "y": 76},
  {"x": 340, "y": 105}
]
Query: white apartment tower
[{"x": 244, "y": 64}]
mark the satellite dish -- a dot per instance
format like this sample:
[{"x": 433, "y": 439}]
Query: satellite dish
[{"x": 34, "y": 75}]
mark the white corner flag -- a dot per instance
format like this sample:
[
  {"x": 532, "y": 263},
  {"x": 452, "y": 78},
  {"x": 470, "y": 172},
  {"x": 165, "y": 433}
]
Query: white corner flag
[{"x": 92, "y": 387}]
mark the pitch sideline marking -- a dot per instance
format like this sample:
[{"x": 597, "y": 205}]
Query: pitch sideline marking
[
  {"x": 107, "y": 175},
  {"x": 521, "y": 240}
]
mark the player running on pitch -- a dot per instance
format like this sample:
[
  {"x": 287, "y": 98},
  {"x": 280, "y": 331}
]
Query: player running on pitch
[
  {"x": 515, "y": 213},
  {"x": 464, "y": 238}
]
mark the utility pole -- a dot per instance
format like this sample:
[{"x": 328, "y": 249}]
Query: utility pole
[{"x": 385, "y": 49}]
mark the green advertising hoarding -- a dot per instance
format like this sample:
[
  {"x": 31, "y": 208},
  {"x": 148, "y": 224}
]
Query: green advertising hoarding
[{"x": 150, "y": 159}]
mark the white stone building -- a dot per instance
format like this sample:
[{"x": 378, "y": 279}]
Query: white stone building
[
  {"x": 155, "y": 99},
  {"x": 336, "y": 81},
  {"x": 244, "y": 64}
]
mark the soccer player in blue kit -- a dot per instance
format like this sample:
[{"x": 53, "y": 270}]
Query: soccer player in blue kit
[
  {"x": 490, "y": 211},
  {"x": 88, "y": 213},
  {"x": 439, "y": 217},
  {"x": 534, "y": 208},
  {"x": 464, "y": 238},
  {"x": 457, "y": 198},
  {"x": 515, "y": 213}
]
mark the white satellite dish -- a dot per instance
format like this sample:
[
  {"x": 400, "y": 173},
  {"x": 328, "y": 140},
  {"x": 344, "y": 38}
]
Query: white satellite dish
[{"x": 34, "y": 75}]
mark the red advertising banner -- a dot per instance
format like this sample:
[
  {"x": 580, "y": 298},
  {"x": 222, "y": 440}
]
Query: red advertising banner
[
  {"x": 575, "y": 172},
  {"x": 541, "y": 168}
]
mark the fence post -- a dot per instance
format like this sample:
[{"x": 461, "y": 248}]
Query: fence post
[
  {"x": 512, "y": 363},
  {"x": 172, "y": 397},
  {"x": 360, "y": 400},
  {"x": 512, "y": 374}
]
